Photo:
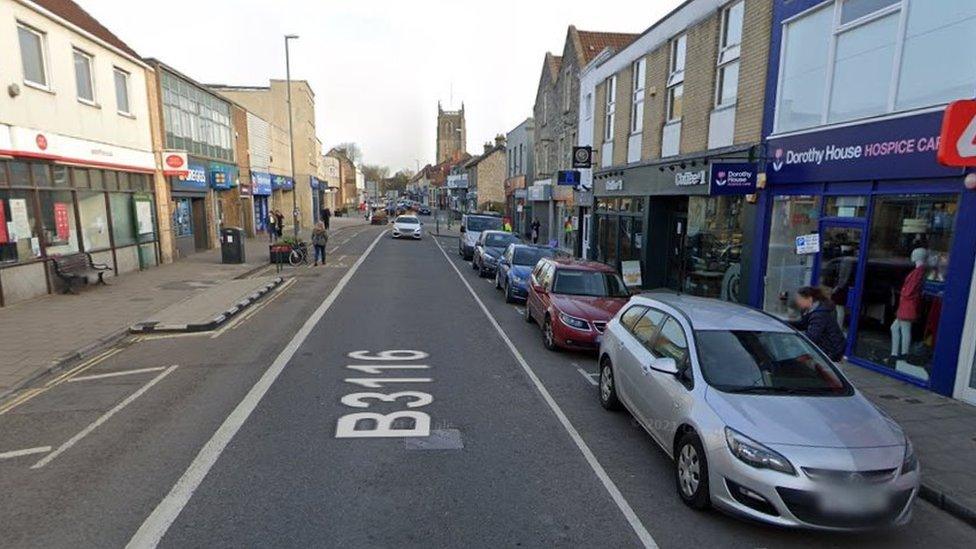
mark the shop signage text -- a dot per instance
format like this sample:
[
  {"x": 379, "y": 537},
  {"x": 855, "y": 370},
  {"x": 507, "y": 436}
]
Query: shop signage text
[
  {"x": 733, "y": 178},
  {"x": 15, "y": 140},
  {"x": 282, "y": 182},
  {"x": 689, "y": 179},
  {"x": 582, "y": 157},
  {"x": 457, "y": 181},
  {"x": 194, "y": 180},
  {"x": 614, "y": 185},
  {"x": 958, "y": 136},
  {"x": 808, "y": 244},
  {"x": 261, "y": 183},
  {"x": 901, "y": 148},
  {"x": 175, "y": 163}
]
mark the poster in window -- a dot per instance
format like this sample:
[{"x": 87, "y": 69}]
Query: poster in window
[
  {"x": 20, "y": 227},
  {"x": 144, "y": 216},
  {"x": 4, "y": 239},
  {"x": 62, "y": 225},
  {"x": 631, "y": 272}
]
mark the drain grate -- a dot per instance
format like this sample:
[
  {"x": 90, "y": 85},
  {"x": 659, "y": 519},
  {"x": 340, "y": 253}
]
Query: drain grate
[{"x": 439, "y": 439}]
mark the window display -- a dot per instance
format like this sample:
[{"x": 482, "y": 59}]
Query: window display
[
  {"x": 58, "y": 222},
  {"x": 94, "y": 221},
  {"x": 713, "y": 249},
  {"x": 18, "y": 239},
  {"x": 786, "y": 270},
  {"x": 123, "y": 224}
]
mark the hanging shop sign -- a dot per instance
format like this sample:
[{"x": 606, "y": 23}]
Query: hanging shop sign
[
  {"x": 957, "y": 143},
  {"x": 570, "y": 178},
  {"x": 194, "y": 180},
  {"x": 261, "y": 183},
  {"x": 223, "y": 176},
  {"x": 175, "y": 163},
  {"x": 733, "y": 178},
  {"x": 690, "y": 179},
  {"x": 539, "y": 192},
  {"x": 582, "y": 158},
  {"x": 900, "y": 148}
]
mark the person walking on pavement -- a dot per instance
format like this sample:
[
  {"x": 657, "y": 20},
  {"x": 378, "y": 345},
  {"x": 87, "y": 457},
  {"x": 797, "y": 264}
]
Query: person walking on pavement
[
  {"x": 280, "y": 225},
  {"x": 272, "y": 226},
  {"x": 326, "y": 217},
  {"x": 819, "y": 322},
  {"x": 320, "y": 237},
  {"x": 535, "y": 231}
]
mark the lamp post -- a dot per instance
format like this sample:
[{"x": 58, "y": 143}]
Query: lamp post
[{"x": 291, "y": 136}]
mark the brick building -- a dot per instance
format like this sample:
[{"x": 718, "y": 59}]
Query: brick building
[{"x": 685, "y": 96}]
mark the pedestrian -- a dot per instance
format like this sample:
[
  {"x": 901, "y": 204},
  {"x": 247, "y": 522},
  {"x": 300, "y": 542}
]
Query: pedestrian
[
  {"x": 326, "y": 217},
  {"x": 535, "y": 231},
  {"x": 819, "y": 321},
  {"x": 272, "y": 226},
  {"x": 280, "y": 225},
  {"x": 320, "y": 237}
]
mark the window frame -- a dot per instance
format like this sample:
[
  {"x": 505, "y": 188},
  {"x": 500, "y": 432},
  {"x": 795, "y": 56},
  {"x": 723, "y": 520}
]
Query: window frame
[
  {"x": 47, "y": 85},
  {"x": 639, "y": 72},
  {"x": 93, "y": 102},
  {"x": 128, "y": 95},
  {"x": 610, "y": 103},
  {"x": 728, "y": 54},
  {"x": 676, "y": 75}
]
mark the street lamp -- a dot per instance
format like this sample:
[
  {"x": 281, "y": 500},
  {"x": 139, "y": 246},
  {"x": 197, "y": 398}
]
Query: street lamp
[{"x": 291, "y": 136}]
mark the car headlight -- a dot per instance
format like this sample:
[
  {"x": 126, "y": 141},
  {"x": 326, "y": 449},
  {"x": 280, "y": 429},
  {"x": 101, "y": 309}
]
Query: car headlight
[
  {"x": 574, "y": 322},
  {"x": 909, "y": 463},
  {"x": 752, "y": 453},
  {"x": 491, "y": 259}
]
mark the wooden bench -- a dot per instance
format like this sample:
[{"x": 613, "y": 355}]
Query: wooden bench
[{"x": 78, "y": 266}]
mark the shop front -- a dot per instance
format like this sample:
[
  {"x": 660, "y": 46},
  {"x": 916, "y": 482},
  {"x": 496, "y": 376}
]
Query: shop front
[
  {"x": 261, "y": 190},
  {"x": 867, "y": 213},
  {"x": 679, "y": 226},
  {"x": 282, "y": 188},
  {"x": 61, "y": 195},
  {"x": 225, "y": 182},
  {"x": 190, "y": 197}
]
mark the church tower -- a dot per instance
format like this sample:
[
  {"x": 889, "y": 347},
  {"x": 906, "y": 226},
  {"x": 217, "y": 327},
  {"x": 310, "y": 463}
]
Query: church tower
[{"x": 451, "y": 134}]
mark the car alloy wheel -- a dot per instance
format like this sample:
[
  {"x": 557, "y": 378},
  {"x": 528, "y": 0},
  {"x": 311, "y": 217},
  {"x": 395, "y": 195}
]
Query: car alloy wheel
[
  {"x": 548, "y": 336},
  {"x": 691, "y": 472},
  {"x": 608, "y": 391},
  {"x": 498, "y": 283},
  {"x": 528, "y": 315},
  {"x": 509, "y": 298}
]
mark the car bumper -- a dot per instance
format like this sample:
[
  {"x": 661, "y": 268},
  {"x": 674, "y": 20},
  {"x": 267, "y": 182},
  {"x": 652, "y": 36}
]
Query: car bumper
[
  {"x": 468, "y": 251},
  {"x": 798, "y": 501},
  {"x": 518, "y": 291},
  {"x": 579, "y": 340},
  {"x": 398, "y": 234}
]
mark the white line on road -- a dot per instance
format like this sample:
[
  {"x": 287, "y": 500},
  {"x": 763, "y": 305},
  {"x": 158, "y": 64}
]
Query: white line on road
[
  {"x": 116, "y": 374},
  {"x": 104, "y": 417},
  {"x": 158, "y": 522},
  {"x": 25, "y": 452},
  {"x": 645, "y": 537},
  {"x": 589, "y": 377}
]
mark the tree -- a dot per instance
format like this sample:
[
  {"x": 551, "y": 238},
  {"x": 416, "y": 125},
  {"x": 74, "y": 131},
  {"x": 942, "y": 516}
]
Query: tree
[
  {"x": 375, "y": 172},
  {"x": 399, "y": 181},
  {"x": 352, "y": 151}
]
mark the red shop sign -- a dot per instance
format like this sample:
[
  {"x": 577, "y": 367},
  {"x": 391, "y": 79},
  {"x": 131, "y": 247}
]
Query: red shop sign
[{"x": 957, "y": 143}]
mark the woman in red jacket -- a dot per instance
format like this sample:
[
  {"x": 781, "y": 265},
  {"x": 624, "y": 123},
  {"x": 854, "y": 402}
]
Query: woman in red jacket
[{"x": 909, "y": 307}]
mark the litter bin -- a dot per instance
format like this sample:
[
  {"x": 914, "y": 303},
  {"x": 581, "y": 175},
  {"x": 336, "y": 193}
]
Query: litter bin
[{"x": 232, "y": 245}]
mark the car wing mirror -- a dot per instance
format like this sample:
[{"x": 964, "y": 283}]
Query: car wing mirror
[
  {"x": 665, "y": 365},
  {"x": 462, "y": 229}
]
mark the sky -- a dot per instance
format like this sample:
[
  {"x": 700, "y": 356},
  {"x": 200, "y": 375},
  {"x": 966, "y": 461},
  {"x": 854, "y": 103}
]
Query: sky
[{"x": 377, "y": 67}]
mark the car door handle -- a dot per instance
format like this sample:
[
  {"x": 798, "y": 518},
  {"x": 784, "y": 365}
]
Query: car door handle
[{"x": 646, "y": 370}]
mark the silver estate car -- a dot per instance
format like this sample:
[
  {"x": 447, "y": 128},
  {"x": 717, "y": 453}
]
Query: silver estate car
[{"x": 759, "y": 422}]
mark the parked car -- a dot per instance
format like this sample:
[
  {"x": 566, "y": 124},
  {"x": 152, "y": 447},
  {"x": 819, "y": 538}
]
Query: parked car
[
  {"x": 572, "y": 300},
  {"x": 471, "y": 227},
  {"x": 515, "y": 268},
  {"x": 379, "y": 218},
  {"x": 407, "y": 226},
  {"x": 423, "y": 210},
  {"x": 489, "y": 249},
  {"x": 759, "y": 422}
]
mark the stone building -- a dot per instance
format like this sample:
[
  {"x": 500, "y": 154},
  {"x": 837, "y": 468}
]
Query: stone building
[
  {"x": 556, "y": 114},
  {"x": 451, "y": 134},
  {"x": 486, "y": 177},
  {"x": 270, "y": 102},
  {"x": 520, "y": 166},
  {"x": 347, "y": 195}
]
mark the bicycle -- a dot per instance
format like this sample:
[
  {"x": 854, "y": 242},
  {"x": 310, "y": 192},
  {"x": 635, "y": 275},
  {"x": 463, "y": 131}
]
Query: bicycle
[{"x": 298, "y": 255}]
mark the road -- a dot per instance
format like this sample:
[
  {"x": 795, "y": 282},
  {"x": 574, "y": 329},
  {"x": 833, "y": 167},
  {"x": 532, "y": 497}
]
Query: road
[{"x": 248, "y": 436}]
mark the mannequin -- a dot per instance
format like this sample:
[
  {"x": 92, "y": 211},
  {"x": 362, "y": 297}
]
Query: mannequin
[{"x": 909, "y": 303}]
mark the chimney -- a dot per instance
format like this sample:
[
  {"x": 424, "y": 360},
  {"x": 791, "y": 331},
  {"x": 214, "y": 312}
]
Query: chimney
[
  {"x": 488, "y": 147},
  {"x": 499, "y": 140}
]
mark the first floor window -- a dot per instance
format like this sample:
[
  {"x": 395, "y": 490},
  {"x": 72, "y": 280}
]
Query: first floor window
[
  {"x": 32, "y": 55},
  {"x": 728, "y": 84},
  {"x": 675, "y": 102},
  {"x": 84, "y": 84},
  {"x": 122, "y": 91}
]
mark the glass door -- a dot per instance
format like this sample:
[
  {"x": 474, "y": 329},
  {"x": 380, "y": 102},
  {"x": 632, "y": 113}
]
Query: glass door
[
  {"x": 966, "y": 374},
  {"x": 837, "y": 267}
]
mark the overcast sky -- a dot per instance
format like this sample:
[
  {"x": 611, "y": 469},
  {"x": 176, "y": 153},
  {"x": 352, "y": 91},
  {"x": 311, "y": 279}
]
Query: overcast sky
[{"x": 378, "y": 67}]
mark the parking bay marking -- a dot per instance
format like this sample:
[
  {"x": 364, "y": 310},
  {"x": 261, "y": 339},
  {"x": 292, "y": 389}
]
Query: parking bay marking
[
  {"x": 618, "y": 498},
  {"x": 25, "y": 452},
  {"x": 116, "y": 374},
  {"x": 591, "y": 377}
]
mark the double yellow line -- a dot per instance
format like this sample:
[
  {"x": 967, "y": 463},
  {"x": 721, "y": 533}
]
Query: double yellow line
[{"x": 28, "y": 394}]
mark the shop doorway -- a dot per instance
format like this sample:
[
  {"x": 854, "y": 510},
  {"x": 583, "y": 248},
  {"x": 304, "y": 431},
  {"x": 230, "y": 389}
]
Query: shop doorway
[
  {"x": 199, "y": 224},
  {"x": 966, "y": 376},
  {"x": 675, "y": 259},
  {"x": 837, "y": 267}
]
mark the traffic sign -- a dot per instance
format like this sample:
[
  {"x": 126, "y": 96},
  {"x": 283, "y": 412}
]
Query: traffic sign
[
  {"x": 570, "y": 178},
  {"x": 957, "y": 142}
]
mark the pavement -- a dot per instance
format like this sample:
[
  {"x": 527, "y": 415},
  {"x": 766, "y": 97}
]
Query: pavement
[
  {"x": 390, "y": 398},
  {"x": 57, "y": 329}
]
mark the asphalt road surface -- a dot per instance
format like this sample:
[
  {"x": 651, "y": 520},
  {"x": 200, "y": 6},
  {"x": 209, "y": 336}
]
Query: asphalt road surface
[{"x": 390, "y": 398}]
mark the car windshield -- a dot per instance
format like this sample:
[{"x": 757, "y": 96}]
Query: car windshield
[
  {"x": 500, "y": 240},
  {"x": 766, "y": 362},
  {"x": 407, "y": 220},
  {"x": 531, "y": 256},
  {"x": 478, "y": 224},
  {"x": 589, "y": 283}
]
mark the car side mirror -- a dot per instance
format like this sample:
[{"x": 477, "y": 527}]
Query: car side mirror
[
  {"x": 665, "y": 365},
  {"x": 462, "y": 228}
]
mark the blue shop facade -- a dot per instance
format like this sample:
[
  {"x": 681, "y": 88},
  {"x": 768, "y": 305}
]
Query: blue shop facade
[{"x": 854, "y": 200}]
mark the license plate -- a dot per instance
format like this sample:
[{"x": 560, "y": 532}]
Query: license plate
[{"x": 854, "y": 502}]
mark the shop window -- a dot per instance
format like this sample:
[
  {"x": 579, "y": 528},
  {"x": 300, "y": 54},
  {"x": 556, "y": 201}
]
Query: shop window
[
  {"x": 41, "y": 174},
  {"x": 908, "y": 255},
  {"x": 713, "y": 247},
  {"x": 183, "y": 217},
  {"x": 123, "y": 222},
  {"x": 19, "y": 174},
  {"x": 110, "y": 180},
  {"x": 58, "y": 222},
  {"x": 124, "y": 185},
  {"x": 60, "y": 176},
  {"x": 18, "y": 237},
  {"x": 4, "y": 182},
  {"x": 96, "y": 180},
  {"x": 786, "y": 271},
  {"x": 145, "y": 219},
  {"x": 846, "y": 206},
  {"x": 94, "y": 221},
  {"x": 80, "y": 178}
]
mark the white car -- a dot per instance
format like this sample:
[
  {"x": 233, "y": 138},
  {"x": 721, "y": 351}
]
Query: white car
[{"x": 408, "y": 226}]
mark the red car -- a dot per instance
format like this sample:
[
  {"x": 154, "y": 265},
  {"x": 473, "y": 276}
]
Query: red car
[{"x": 573, "y": 300}]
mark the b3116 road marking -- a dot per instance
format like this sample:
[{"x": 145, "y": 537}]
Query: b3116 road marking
[{"x": 402, "y": 423}]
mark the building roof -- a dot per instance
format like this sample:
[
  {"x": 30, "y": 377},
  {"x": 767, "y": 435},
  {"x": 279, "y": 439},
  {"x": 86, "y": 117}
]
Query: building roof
[
  {"x": 77, "y": 16},
  {"x": 553, "y": 62},
  {"x": 593, "y": 42}
]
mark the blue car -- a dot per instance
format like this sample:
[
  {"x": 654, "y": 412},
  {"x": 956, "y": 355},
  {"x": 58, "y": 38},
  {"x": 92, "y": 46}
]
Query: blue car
[{"x": 514, "y": 268}]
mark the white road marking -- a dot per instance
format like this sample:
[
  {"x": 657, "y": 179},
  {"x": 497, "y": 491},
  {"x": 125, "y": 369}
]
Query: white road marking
[
  {"x": 25, "y": 452},
  {"x": 116, "y": 374},
  {"x": 520, "y": 310},
  {"x": 588, "y": 376},
  {"x": 104, "y": 417},
  {"x": 158, "y": 522},
  {"x": 635, "y": 523}
]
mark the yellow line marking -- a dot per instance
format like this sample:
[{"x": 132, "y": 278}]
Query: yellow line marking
[
  {"x": 83, "y": 366},
  {"x": 21, "y": 398}
]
